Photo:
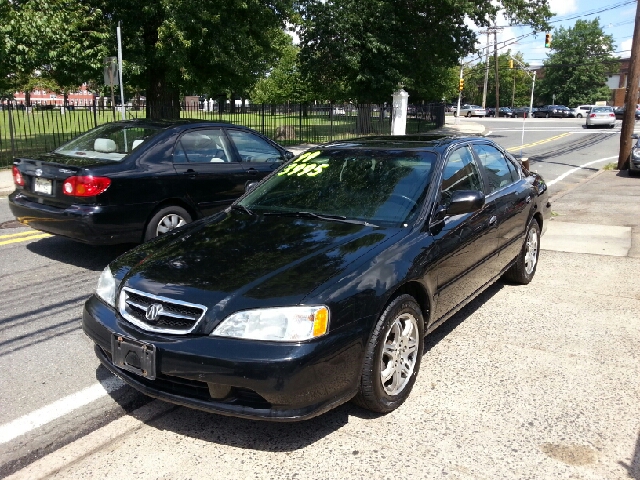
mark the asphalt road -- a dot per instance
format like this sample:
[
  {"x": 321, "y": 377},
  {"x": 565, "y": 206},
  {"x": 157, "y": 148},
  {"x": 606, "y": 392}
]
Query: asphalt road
[{"x": 52, "y": 400}]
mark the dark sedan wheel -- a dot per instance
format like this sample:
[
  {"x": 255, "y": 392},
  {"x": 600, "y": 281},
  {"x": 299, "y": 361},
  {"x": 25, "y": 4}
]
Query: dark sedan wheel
[
  {"x": 468, "y": 114},
  {"x": 524, "y": 269},
  {"x": 165, "y": 220},
  {"x": 392, "y": 357}
]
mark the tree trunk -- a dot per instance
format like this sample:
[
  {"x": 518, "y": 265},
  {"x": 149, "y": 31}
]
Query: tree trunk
[
  {"x": 363, "y": 120},
  {"x": 27, "y": 99},
  {"x": 631, "y": 98},
  {"x": 163, "y": 99}
]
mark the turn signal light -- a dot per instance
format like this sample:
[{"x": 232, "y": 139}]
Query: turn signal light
[
  {"x": 88, "y": 186},
  {"x": 320, "y": 322},
  {"x": 18, "y": 179}
]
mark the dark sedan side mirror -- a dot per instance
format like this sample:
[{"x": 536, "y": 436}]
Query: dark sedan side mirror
[
  {"x": 465, "y": 201},
  {"x": 288, "y": 155},
  {"x": 250, "y": 186}
]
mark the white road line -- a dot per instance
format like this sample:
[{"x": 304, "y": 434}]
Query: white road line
[
  {"x": 574, "y": 170},
  {"x": 488, "y": 133},
  {"x": 57, "y": 409}
]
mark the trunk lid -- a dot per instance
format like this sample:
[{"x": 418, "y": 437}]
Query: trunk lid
[{"x": 44, "y": 176}]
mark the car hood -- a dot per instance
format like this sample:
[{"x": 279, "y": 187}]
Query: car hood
[{"x": 235, "y": 261}]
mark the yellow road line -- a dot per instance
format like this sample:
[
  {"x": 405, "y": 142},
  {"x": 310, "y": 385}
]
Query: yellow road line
[
  {"x": 25, "y": 239},
  {"x": 21, "y": 234},
  {"x": 539, "y": 142}
]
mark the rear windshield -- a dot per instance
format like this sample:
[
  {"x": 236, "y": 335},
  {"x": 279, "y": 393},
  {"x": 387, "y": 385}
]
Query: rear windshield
[
  {"x": 379, "y": 186},
  {"x": 108, "y": 142},
  {"x": 601, "y": 109}
]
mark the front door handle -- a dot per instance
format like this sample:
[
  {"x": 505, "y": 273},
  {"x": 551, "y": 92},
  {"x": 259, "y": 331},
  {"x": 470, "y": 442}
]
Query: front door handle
[
  {"x": 493, "y": 220},
  {"x": 528, "y": 199},
  {"x": 191, "y": 173},
  {"x": 252, "y": 171}
]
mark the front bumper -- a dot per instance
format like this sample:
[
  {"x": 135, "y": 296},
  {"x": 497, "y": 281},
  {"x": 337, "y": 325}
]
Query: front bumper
[
  {"x": 92, "y": 224},
  {"x": 260, "y": 380},
  {"x": 634, "y": 163}
]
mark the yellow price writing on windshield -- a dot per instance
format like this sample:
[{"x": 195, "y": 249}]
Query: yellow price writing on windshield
[{"x": 300, "y": 166}]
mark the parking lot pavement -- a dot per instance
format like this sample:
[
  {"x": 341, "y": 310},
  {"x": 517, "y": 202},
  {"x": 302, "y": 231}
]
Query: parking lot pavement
[
  {"x": 6, "y": 182},
  {"x": 537, "y": 381}
]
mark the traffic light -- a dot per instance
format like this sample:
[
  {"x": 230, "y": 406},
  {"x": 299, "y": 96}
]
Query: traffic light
[
  {"x": 461, "y": 87},
  {"x": 547, "y": 40},
  {"x": 510, "y": 63}
]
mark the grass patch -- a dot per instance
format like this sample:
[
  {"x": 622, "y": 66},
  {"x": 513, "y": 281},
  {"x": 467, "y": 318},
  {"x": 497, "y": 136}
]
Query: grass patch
[{"x": 610, "y": 166}]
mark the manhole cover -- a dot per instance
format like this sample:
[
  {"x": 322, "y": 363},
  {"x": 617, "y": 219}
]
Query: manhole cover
[{"x": 11, "y": 224}]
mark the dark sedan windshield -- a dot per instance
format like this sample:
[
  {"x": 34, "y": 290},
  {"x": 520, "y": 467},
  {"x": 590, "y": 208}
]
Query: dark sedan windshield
[{"x": 378, "y": 186}]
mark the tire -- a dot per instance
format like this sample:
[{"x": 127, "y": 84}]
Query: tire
[
  {"x": 165, "y": 220},
  {"x": 633, "y": 173},
  {"x": 468, "y": 114},
  {"x": 401, "y": 329},
  {"x": 546, "y": 116},
  {"x": 523, "y": 270},
  {"x": 579, "y": 115}
]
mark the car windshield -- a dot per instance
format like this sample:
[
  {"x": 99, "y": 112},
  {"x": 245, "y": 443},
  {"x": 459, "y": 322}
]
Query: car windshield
[
  {"x": 112, "y": 141},
  {"x": 377, "y": 186}
]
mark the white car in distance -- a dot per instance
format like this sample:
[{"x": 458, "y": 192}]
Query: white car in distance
[{"x": 472, "y": 111}]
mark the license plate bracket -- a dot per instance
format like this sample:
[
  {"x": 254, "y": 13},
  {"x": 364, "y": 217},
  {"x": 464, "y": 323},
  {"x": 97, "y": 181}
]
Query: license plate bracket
[
  {"x": 43, "y": 185},
  {"x": 134, "y": 356}
]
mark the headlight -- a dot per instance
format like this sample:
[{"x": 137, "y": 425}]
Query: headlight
[
  {"x": 636, "y": 152},
  {"x": 106, "y": 288},
  {"x": 277, "y": 324}
]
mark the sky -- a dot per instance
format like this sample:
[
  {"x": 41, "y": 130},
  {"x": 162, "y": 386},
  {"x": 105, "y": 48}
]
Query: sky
[{"x": 616, "y": 17}]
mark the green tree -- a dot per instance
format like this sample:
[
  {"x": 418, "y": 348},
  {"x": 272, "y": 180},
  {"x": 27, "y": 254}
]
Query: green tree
[
  {"x": 515, "y": 83},
  {"x": 175, "y": 46},
  {"x": 49, "y": 43},
  {"x": 577, "y": 69},
  {"x": 284, "y": 82},
  {"x": 362, "y": 50}
]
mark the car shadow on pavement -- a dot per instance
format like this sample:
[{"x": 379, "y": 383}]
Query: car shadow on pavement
[
  {"x": 78, "y": 254},
  {"x": 288, "y": 437},
  {"x": 633, "y": 469}
]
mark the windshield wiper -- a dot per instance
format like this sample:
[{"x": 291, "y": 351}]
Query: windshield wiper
[
  {"x": 242, "y": 208},
  {"x": 328, "y": 217}
]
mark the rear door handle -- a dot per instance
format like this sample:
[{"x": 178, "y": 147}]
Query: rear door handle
[
  {"x": 252, "y": 171},
  {"x": 528, "y": 199},
  {"x": 493, "y": 220},
  {"x": 191, "y": 173}
]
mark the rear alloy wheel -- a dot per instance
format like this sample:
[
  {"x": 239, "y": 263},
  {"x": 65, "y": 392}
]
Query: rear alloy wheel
[
  {"x": 392, "y": 357},
  {"x": 579, "y": 115},
  {"x": 165, "y": 220},
  {"x": 468, "y": 114},
  {"x": 523, "y": 270}
]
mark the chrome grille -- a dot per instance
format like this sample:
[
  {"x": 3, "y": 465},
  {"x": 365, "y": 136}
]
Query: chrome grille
[{"x": 159, "y": 314}]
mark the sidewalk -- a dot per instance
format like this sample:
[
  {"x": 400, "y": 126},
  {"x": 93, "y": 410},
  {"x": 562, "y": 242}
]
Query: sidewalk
[
  {"x": 6, "y": 182},
  {"x": 600, "y": 216}
]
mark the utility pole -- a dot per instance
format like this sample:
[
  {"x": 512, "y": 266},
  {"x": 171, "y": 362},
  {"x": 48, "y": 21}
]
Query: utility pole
[
  {"x": 631, "y": 98},
  {"x": 495, "y": 60},
  {"x": 486, "y": 74}
]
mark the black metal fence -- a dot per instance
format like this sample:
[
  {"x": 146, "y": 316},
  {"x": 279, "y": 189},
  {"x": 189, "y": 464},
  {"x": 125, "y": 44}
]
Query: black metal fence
[{"x": 30, "y": 130}]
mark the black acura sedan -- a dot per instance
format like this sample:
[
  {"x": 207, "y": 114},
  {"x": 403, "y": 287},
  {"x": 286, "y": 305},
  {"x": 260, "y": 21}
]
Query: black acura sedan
[
  {"x": 319, "y": 285},
  {"x": 131, "y": 181}
]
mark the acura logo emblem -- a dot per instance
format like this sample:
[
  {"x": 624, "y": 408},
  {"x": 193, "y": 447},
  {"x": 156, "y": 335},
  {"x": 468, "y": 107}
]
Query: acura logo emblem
[{"x": 153, "y": 312}]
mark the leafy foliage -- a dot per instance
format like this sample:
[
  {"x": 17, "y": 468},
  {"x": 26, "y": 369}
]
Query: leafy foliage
[
  {"x": 362, "y": 50},
  {"x": 577, "y": 70},
  {"x": 51, "y": 43},
  {"x": 474, "y": 82},
  {"x": 212, "y": 47}
]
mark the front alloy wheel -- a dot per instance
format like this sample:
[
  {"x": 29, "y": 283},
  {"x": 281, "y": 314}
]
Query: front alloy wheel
[
  {"x": 392, "y": 356},
  {"x": 524, "y": 267}
]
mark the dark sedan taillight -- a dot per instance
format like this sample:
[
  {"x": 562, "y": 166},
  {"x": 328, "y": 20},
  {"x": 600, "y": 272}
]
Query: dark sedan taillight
[
  {"x": 85, "y": 186},
  {"x": 18, "y": 179}
]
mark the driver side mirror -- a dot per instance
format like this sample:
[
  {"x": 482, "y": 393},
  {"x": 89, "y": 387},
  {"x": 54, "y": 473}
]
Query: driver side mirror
[
  {"x": 462, "y": 201},
  {"x": 288, "y": 155}
]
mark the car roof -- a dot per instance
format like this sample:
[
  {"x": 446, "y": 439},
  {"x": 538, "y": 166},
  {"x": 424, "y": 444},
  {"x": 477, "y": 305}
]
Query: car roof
[
  {"x": 178, "y": 123},
  {"x": 424, "y": 142}
]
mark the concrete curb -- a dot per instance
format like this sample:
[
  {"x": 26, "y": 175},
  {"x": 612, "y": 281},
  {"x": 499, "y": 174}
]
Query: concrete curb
[{"x": 559, "y": 195}]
